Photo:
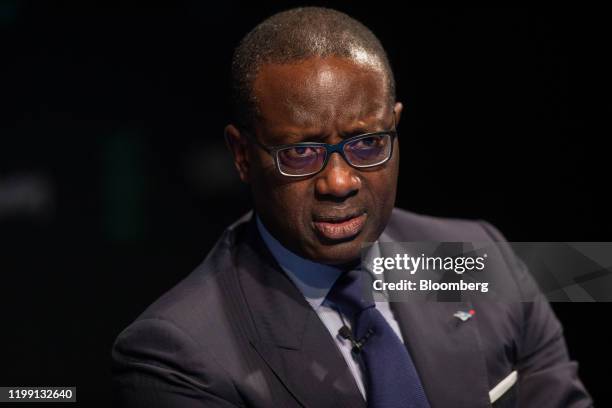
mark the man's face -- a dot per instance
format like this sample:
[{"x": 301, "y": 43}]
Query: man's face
[{"x": 328, "y": 216}]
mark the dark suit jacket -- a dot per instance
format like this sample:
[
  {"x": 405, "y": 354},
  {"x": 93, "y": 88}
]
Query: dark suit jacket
[{"x": 237, "y": 333}]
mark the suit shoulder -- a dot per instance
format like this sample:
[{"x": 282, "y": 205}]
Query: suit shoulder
[
  {"x": 409, "y": 226},
  {"x": 199, "y": 302}
]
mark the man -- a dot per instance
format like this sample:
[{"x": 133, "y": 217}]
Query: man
[{"x": 270, "y": 318}]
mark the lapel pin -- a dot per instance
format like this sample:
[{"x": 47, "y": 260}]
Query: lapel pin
[{"x": 463, "y": 316}]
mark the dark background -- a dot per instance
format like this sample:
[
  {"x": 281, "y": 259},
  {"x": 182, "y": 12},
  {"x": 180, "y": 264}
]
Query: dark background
[{"x": 114, "y": 181}]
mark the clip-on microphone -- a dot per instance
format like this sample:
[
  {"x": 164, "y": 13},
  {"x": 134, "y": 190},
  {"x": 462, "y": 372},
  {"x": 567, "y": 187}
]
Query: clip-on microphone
[{"x": 358, "y": 345}]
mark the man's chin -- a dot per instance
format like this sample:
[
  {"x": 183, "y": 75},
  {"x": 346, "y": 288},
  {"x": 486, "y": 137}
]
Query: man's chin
[{"x": 340, "y": 253}]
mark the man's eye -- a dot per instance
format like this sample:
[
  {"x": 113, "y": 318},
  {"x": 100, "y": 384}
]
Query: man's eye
[
  {"x": 368, "y": 142},
  {"x": 300, "y": 151}
]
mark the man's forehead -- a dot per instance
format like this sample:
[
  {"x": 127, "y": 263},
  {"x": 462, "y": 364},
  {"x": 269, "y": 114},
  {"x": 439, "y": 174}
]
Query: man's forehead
[{"x": 316, "y": 91}]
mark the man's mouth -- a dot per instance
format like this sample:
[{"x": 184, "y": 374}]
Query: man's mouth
[{"x": 338, "y": 228}]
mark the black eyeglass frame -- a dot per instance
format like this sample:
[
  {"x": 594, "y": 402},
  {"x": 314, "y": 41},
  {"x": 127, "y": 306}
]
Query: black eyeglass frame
[{"x": 329, "y": 150}]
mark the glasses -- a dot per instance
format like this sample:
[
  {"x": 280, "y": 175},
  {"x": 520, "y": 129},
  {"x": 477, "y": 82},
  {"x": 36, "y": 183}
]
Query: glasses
[{"x": 308, "y": 158}]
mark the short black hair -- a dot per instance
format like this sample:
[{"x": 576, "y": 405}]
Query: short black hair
[{"x": 298, "y": 34}]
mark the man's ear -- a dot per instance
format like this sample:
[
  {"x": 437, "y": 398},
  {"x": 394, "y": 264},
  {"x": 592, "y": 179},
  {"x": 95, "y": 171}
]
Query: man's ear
[
  {"x": 237, "y": 144},
  {"x": 398, "y": 112}
]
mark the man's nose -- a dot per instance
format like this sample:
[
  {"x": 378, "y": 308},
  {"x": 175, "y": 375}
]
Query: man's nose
[{"x": 338, "y": 178}]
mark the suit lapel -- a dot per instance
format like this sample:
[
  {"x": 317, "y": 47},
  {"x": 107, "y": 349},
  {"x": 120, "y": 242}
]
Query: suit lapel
[
  {"x": 446, "y": 351},
  {"x": 289, "y": 335}
]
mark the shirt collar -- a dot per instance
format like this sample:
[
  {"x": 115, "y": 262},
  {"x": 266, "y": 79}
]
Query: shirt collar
[{"x": 313, "y": 279}]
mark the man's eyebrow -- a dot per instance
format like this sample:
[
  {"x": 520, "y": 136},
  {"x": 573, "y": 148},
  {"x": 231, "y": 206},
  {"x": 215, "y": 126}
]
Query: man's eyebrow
[
  {"x": 279, "y": 137},
  {"x": 318, "y": 137},
  {"x": 378, "y": 126},
  {"x": 291, "y": 137},
  {"x": 361, "y": 130}
]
